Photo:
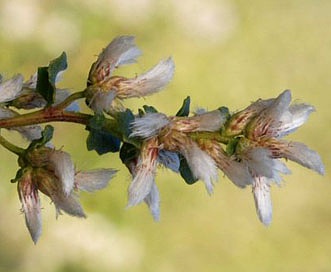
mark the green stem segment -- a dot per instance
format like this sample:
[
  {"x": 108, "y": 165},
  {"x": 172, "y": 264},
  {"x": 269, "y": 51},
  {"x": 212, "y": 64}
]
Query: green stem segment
[
  {"x": 11, "y": 147},
  {"x": 69, "y": 100}
]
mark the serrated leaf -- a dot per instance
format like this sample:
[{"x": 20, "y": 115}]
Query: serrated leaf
[
  {"x": 186, "y": 172},
  {"x": 185, "y": 108},
  {"x": 47, "y": 77}
]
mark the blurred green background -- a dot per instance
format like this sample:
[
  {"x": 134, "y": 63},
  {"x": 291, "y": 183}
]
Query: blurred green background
[{"x": 227, "y": 52}]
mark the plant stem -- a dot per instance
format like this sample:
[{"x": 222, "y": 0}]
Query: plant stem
[
  {"x": 53, "y": 114},
  {"x": 46, "y": 115},
  {"x": 11, "y": 147},
  {"x": 70, "y": 99}
]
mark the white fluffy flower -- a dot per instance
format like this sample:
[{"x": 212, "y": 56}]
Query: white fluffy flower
[
  {"x": 148, "y": 125},
  {"x": 148, "y": 83},
  {"x": 122, "y": 50},
  {"x": 236, "y": 171},
  {"x": 262, "y": 197},
  {"x": 142, "y": 182},
  {"x": 93, "y": 180},
  {"x": 153, "y": 202},
  {"x": 260, "y": 163},
  {"x": 280, "y": 118},
  {"x": 64, "y": 169},
  {"x": 301, "y": 154},
  {"x": 201, "y": 164},
  {"x": 28, "y": 194}
]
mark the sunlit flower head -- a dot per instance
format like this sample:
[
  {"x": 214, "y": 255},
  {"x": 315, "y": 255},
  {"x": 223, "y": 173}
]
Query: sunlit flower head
[{"x": 104, "y": 90}]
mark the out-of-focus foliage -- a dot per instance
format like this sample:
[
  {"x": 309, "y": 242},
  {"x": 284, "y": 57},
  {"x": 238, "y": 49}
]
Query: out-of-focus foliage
[{"x": 226, "y": 53}]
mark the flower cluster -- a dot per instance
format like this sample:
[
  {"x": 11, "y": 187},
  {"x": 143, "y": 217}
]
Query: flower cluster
[
  {"x": 248, "y": 146},
  {"x": 52, "y": 172},
  {"x": 104, "y": 90},
  {"x": 249, "y": 155}
]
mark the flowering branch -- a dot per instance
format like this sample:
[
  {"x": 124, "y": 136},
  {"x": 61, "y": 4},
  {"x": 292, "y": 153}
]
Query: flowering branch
[{"x": 247, "y": 146}]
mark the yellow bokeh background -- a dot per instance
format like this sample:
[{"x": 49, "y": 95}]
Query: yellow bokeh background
[{"x": 227, "y": 53}]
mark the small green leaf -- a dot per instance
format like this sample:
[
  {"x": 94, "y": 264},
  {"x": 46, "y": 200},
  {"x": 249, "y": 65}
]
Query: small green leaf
[
  {"x": 99, "y": 139},
  {"x": 150, "y": 109},
  {"x": 141, "y": 112},
  {"x": 225, "y": 112},
  {"x": 47, "y": 77},
  {"x": 47, "y": 133},
  {"x": 57, "y": 65},
  {"x": 186, "y": 172},
  {"x": 125, "y": 119},
  {"x": 185, "y": 108},
  {"x": 43, "y": 85}
]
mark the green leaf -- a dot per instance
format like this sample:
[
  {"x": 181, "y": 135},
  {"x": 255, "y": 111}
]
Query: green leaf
[
  {"x": 47, "y": 77},
  {"x": 225, "y": 111},
  {"x": 186, "y": 172},
  {"x": 185, "y": 108},
  {"x": 57, "y": 65},
  {"x": 97, "y": 121},
  {"x": 124, "y": 120},
  {"x": 99, "y": 139},
  {"x": 102, "y": 142},
  {"x": 43, "y": 85}
]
